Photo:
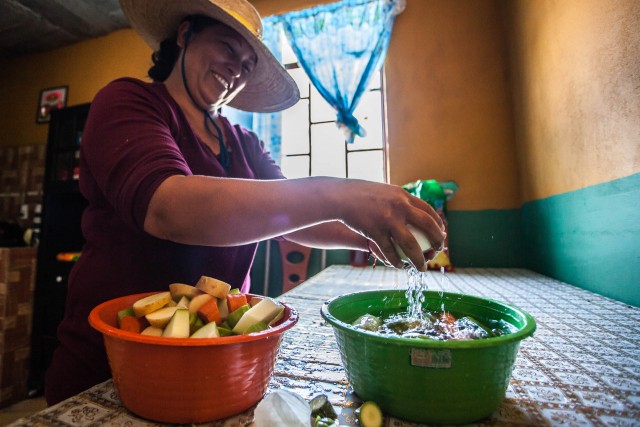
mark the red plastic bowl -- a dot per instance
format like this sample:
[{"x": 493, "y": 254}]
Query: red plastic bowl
[{"x": 188, "y": 380}]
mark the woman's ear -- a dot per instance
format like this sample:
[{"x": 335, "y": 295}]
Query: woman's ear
[{"x": 184, "y": 32}]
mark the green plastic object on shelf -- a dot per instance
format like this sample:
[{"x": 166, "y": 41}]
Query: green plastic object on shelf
[{"x": 433, "y": 192}]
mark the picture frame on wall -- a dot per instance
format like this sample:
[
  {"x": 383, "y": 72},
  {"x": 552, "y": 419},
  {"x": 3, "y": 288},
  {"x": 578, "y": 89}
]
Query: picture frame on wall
[{"x": 53, "y": 98}]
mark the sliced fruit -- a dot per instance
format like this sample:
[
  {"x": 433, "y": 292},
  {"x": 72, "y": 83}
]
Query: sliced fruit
[
  {"x": 224, "y": 332},
  {"x": 213, "y": 287},
  {"x": 254, "y": 300},
  {"x": 279, "y": 316},
  {"x": 256, "y": 327},
  {"x": 234, "y": 291},
  {"x": 210, "y": 330},
  {"x": 152, "y": 331},
  {"x": 236, "y": 315},
  {"x": 208, "y": 312},
  {"x": 161, "y": 317},
  {"x": 151, "y": 303},
  {"x": 370, "y": 415},
  {"x": 179, "y": 290},
  {"x": 178, "y": 326},
  {"x": 198, "y": 301},
  {"x": 265, "y": 311},
  {"x": 183, "y": 303},
  {"x": 195, "y": 322}
]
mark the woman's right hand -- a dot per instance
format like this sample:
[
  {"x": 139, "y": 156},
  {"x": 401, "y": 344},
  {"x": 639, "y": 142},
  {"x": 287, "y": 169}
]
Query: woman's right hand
[{"x": 381, "y": 213}]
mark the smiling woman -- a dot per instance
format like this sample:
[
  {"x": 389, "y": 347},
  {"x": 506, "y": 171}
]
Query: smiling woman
[{"x": 175, "y": 191}]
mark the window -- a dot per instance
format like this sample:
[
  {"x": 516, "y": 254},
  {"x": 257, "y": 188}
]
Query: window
[{"x": 313, "y": 145}]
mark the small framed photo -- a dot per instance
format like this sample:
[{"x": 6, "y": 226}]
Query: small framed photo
[{"x": 51, "y": 99}]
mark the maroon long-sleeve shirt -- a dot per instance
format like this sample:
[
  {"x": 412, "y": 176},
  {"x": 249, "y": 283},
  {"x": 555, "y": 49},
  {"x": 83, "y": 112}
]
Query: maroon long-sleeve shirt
[{"x": 135, "y": 137}]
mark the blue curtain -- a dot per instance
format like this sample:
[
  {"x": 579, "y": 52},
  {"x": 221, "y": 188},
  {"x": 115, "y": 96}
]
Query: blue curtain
[{"x": 340, "y": 46}]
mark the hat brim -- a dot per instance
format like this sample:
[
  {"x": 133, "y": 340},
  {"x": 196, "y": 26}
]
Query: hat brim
[{"x": 269, "y": 89}]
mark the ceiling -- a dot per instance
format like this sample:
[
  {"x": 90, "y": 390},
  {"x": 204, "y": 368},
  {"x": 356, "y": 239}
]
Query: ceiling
[{"x": 29, "y": 26}]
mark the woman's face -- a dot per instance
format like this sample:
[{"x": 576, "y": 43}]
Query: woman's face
[{"x": 218, "y": 64}]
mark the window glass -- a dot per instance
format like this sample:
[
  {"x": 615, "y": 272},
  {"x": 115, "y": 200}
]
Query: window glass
[
  {"x": 295, "y": 129},
  {"x": 328, "y": 151},
  {"x": 365, "y": 165}
]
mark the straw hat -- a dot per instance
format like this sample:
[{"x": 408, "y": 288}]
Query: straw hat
[{"x": 270, "y": 87}]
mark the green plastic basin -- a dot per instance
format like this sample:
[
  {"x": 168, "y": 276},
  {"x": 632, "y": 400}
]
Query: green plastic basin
[{"x": 427, "y": 381}]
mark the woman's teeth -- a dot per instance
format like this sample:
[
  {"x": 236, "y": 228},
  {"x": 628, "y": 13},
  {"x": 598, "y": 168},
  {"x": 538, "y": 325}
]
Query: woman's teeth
[{"x": 222, "y": 81}]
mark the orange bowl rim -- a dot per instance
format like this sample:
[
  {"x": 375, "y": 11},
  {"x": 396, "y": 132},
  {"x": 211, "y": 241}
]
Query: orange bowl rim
[{"x": 288, "y": 321}]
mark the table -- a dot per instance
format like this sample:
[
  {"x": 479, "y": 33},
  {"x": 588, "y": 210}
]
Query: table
[{"x": 581, "y": 368}]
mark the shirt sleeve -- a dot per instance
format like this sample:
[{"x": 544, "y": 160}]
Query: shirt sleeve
[
  {"x": 262, "y": 164},
  {"x": 129, "y": 148}
]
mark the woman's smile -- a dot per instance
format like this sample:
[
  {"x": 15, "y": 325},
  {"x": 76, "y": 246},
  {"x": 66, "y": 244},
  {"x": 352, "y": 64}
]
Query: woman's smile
[{"x": 226, "y": 84}]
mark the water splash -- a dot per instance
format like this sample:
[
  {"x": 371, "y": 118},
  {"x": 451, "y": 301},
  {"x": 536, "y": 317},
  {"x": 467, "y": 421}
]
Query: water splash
[{"x": 416, "y": 287}]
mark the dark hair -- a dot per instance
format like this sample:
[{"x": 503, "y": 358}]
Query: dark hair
[{"x": 164, "y": 59}]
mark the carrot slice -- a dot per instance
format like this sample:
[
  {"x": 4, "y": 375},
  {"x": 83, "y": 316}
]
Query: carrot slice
[{"x": 235, "y": 301}]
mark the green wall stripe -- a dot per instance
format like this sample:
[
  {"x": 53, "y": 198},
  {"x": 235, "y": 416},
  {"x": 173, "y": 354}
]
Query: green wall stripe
[
  {"x": 486, "y": 238},
  {"x": 589, "y": 238}
]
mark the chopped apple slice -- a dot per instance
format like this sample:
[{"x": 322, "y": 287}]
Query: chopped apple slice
[
  {"x": 161, "y": 317},
  {"x": 179, "y": 290},
  {"x": 151, "y": 303},
  {"x": 195, "y": 322},
  {"x": 265, "y": 311},
  {"x": 256, "y": 327},
  {"x": 178, "y": 326},
  {"x": 279, "y": 316},
  {"x": 213, "y": 287},
  {"x": 236, "y": 315},
  {"x": 210, "y": 330},
  {"x": 198, "y": 301},
  {"x": 183, "y": 303},
  {"x": 152, "y": 331}
]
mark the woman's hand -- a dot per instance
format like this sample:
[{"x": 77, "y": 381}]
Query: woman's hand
[{"x": 381, "y": 213}]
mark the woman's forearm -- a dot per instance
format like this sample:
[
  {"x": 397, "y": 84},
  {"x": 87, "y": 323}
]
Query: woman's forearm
[{"x": 227, "y": 212}]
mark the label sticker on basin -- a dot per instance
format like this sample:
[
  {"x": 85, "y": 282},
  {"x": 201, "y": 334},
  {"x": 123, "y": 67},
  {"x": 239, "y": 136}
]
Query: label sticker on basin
[{"x": 430, "y": 358}]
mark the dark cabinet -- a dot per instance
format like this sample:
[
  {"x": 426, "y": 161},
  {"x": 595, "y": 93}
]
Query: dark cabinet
[{"x": 60, "y": 240}]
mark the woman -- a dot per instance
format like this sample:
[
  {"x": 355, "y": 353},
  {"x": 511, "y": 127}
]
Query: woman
[{"x": 176, "y": 192}]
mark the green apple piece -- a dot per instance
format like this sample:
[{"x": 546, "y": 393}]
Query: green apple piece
[
  {"x": 237, "y": 314},
  {"x": 224, "y": 332},
  {"x": 195, "y": 322},
  {"x": 277, "y": 317},
  {"x": 256, "y": 327},
  {"x": 178, "y": 326},
  {"x": 124, "y": 313},
  {"x": 265, "y": 311},
  {"x": 234, "y": 291},
  {"x": 153, "y": 331},
  {"x": 210, "y": 330}
]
